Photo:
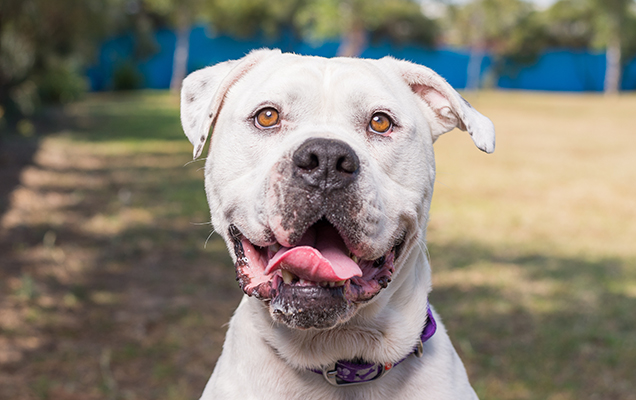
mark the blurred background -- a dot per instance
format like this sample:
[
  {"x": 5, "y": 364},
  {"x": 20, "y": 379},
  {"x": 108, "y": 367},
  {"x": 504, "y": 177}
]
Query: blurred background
[{"x": 113, "y": 285}]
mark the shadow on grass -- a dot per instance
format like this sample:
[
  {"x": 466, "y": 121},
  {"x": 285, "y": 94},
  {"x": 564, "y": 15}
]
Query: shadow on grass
[
  {"x": 133, "y": 315},
  {"x": 110, "y": 294},
  {"x": 145, "y": 316},
  {"x": 138, "y": 310},
  {"x": 15, "y": 154},
  {"x": 104, "y": 129},
  {"x": 557, "y": 327}
]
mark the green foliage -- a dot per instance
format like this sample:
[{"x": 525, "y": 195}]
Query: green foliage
[
  {"x": 43, "y": 46},
  {"x": 516, "y": 33},
  {"x": 250, "y": 17},
  {"x": 497, "y": 25},
  {"x": 570, "y": 23},
  {"x": 320, "y": 20},
  {"x": 61, "y": 83},
  {"x": 127, "y": 77},
  {"x": 397, "y": 20},
  {"x": 402, "y": 22},
  {"x": 588, "y": 24},
  {"x": 629, "y": 37}
]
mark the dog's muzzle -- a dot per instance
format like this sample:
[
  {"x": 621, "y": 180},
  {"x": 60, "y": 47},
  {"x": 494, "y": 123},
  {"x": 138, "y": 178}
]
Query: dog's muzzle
[{"x": 315, "y": 274}]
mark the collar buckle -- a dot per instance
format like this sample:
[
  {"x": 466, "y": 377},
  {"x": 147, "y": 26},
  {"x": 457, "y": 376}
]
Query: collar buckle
[{"x": 339, "y": 375}]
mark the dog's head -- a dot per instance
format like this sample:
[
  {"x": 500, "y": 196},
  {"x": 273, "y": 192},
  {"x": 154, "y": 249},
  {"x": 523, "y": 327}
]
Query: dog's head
[{"x": 320, "y": 172}]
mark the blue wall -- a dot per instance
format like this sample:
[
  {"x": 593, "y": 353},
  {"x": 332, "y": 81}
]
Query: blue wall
[{"x": 557, "y": 70}]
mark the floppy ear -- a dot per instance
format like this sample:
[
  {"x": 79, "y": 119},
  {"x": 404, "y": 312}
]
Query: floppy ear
[
  {"x": 449, "y": 107},
  {"x": 203, "y": 92}
]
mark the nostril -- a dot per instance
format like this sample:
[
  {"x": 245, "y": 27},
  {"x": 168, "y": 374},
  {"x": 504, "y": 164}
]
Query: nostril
[
  {"x": 346, "y": 164},
  {"x": 312, "y": 163},
  {"x": 306, "y": 160}
]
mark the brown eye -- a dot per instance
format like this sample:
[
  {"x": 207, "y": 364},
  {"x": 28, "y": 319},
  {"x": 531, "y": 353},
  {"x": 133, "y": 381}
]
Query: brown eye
[
  {"x": 267, "y": 118},
  {"x": 380, "y": 123}
]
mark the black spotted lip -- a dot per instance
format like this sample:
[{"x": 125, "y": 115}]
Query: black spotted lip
[{"x": 310, "y": 306}]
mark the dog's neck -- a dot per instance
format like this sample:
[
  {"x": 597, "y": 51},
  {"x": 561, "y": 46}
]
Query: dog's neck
[{"x": 382, "y": 331}]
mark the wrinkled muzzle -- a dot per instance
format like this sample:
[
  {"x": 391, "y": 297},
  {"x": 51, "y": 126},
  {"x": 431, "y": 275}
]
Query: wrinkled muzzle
[{"x": 318, "y": 270}]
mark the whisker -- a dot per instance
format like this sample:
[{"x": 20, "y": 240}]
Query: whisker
[
  {"x": 200, "y": 223},
  {"x": 193, "y": 161},
  {"x": 208, "y": 239}
]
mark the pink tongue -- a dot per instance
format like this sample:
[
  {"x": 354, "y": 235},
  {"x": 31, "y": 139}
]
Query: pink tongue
[{"x": 320, "y": 256}]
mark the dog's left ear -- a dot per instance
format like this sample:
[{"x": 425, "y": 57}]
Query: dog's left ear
[
  {"x": 203, "y": 92},
  {"x": 449, "y": 107}
]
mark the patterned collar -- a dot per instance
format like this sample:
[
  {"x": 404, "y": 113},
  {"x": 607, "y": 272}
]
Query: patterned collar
[{"x": 347, "y": 373}]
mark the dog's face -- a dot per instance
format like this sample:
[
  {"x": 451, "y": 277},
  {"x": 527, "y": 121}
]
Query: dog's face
[{"x": 320, "y": 172}]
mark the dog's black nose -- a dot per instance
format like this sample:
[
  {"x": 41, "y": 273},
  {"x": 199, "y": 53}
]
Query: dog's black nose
[{"x": 326, "y": 163}]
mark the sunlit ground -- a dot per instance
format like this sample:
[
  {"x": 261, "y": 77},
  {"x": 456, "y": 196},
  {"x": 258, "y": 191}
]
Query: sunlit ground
[
  {"x": 107, "y": 290},
  {"x": 532, "y": 247}
]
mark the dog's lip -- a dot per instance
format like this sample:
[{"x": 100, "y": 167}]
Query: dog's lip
[{"x": 255, "y": 279}]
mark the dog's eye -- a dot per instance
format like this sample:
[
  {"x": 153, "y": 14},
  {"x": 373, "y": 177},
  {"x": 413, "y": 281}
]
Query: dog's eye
[
  {"x": 267, "y": 118},
  {"x": 380, "y": 123}
]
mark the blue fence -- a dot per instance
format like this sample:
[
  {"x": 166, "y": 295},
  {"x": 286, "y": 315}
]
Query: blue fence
[{"x": 557, "y": 70}]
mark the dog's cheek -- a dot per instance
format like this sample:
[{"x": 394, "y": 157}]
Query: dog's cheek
[
  {"x": 212, "y": 190},
  {"x": 275, "y": 203}
]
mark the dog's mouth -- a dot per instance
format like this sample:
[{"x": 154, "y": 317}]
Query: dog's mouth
[{"x": 318, "y": 275}]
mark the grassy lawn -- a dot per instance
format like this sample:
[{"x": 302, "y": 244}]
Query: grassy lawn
[
  {"x": 532, "y": 248},
  {"x": 108, "y": 292}
]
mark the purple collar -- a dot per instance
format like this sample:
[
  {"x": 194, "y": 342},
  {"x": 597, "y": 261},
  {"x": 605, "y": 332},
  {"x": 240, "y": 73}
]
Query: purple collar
[{"x": 347, "y": 373}]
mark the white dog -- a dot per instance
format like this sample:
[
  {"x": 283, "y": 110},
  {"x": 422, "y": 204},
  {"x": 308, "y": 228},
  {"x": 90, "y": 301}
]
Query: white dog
[{"x": 319, "y": 178}]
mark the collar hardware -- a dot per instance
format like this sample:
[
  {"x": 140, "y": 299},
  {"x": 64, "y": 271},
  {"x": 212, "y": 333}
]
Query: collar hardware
[
  {"x": 338, "y": 375},
  {"x": 346, "y": 373},
  {"x": 419, "y": 349}
]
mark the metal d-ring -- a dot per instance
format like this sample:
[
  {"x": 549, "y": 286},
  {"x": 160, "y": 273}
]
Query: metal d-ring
[{"x": 419, "y": 349}]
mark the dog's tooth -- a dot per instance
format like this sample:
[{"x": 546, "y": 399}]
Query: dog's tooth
[
  {"x": 288, "y": 277},
  {"x": 354, "y": 258},
  {"x": 339, "y": 283},
  {"x": 274, "y": 248},
  {"x": 332, "y": 284},
  {"x": 303, "y": 282}
]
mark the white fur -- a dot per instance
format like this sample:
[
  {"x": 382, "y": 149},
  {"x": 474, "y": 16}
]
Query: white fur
[{"x": 264, "y": 359}]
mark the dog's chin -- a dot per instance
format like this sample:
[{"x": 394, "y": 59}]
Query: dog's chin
[
  {"x": 318, "y": 283},
  {"x": 306, "y": 307}
]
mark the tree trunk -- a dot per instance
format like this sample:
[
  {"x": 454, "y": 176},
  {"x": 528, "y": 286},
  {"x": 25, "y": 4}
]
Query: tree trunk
[
  {"x": 354, "y": 42},
  {"x": 473, "y": 74},
  {"x": 477, "y": 50},
  {"x": 613, "y": 66},
  {"x": 180, "y": 60}
]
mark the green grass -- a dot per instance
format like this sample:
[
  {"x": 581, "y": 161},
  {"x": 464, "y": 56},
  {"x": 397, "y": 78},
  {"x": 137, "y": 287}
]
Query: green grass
[{"x": 532, "y": 252}]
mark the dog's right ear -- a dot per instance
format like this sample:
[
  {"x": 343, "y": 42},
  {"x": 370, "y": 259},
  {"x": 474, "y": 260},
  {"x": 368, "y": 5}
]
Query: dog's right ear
[{"x": 203, "y": 92}]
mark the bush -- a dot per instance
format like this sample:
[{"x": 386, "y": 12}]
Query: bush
[
  {"x": 61, "y": 84},
  {"x": 127, "y": 77}
]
